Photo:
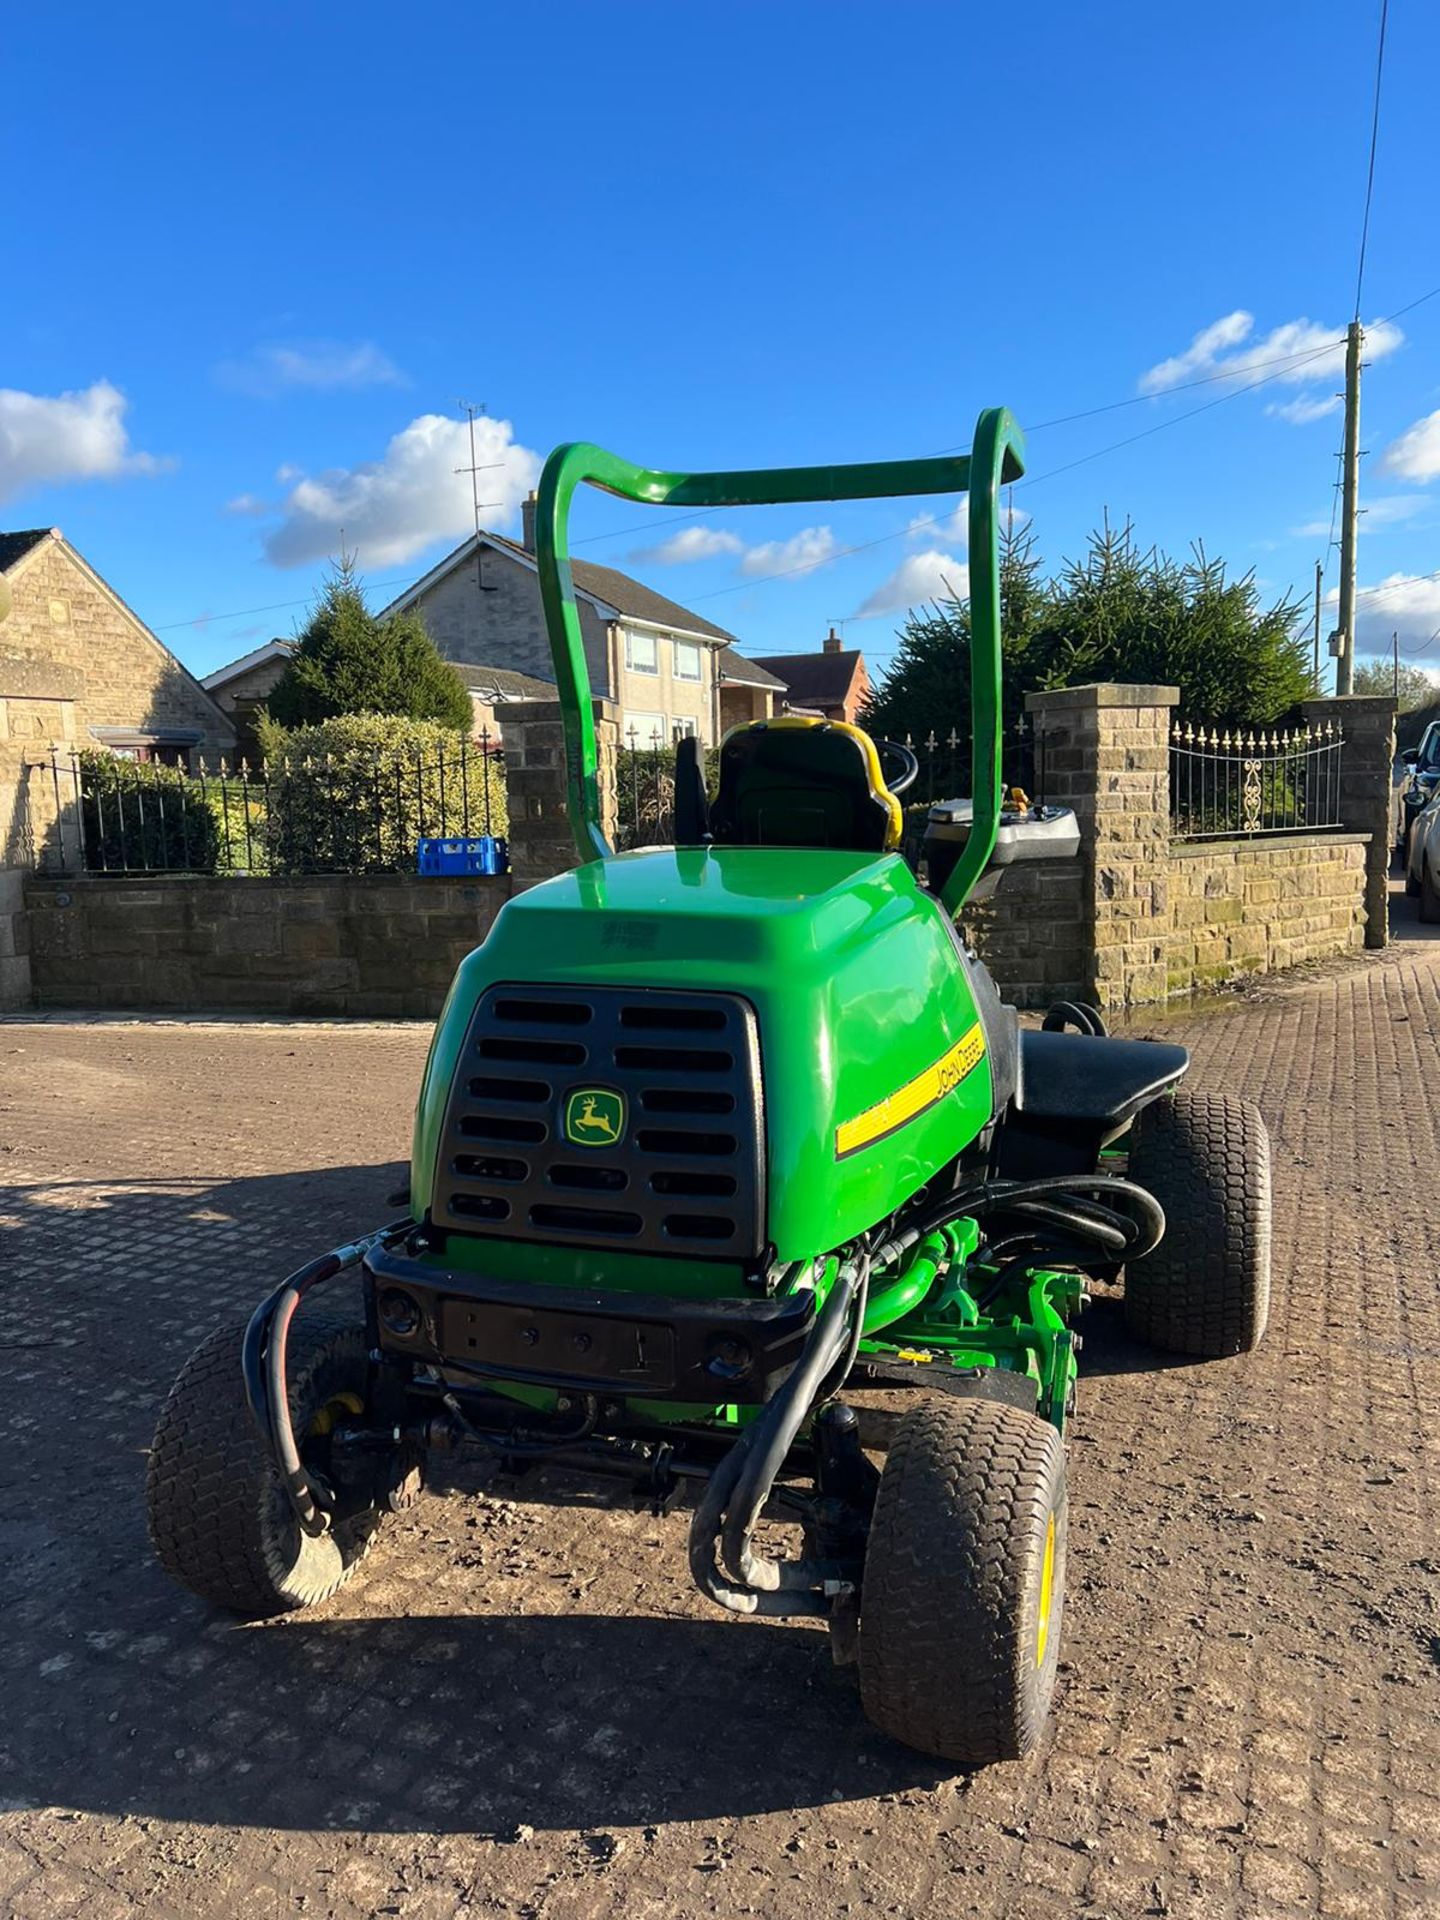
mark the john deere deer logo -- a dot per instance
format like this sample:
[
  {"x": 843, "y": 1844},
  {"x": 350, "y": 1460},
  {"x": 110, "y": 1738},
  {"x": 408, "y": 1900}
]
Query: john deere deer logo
[{"x": 594, "y": 1117}]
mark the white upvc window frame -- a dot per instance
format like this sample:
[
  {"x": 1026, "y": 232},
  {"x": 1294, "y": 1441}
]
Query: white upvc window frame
[
  {"x": 689, "y": 650},
  {"x": 634, "y": 637},
  {"x": 650, "y": 730}
]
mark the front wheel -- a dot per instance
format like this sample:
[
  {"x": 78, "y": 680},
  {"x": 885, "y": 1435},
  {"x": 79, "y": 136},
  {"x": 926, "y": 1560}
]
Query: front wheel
[
  {"x": 219, "y": 1520},
  {"x": 1428, "y": 891},
  {"x": 1205, "y": 1290},
  {"x": 964, "y": 1582}
]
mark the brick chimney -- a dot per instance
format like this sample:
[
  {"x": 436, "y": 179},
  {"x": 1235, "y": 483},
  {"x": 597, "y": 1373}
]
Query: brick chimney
[
  {"x": 527, "y": 514},
  {"x": 833, "y": 643}
]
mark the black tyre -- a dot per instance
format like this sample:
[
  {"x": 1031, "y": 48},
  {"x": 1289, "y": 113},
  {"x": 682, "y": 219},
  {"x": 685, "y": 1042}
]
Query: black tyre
[
  {"x": 1412, "y": 885},
  {"x": 964, "y": 1582},
  {"x": 1428, "y": 891},
  {"x": 219, "y": 1520},
  {"x": 1205, "y": 1290}
]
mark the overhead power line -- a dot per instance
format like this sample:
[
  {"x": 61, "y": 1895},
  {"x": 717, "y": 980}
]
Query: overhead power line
[
  {"x": 1032, "y": 480},
  {"x": 1374, "y": 143}
]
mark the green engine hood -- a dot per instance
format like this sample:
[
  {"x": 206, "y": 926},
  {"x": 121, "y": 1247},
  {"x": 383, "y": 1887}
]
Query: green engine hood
[{"x": 873, "y": 1062}]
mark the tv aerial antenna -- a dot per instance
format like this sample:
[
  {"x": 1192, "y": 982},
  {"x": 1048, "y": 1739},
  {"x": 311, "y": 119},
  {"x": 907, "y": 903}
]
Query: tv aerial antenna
[{"x": 475, "y": 470}]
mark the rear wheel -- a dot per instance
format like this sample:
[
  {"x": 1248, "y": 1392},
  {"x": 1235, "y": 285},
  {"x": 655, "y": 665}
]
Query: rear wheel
[
  {"x": 964, "y": 1582},
  {"x": 1205, "y": 1290},
  {"x": 219, "y": 1519}
]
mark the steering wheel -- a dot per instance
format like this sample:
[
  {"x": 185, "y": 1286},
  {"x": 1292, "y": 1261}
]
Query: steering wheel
[{"x": 908, "y": 765}]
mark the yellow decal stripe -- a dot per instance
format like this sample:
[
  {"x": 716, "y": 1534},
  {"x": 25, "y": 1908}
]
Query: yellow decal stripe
[{"x": 914, "y": 1097}]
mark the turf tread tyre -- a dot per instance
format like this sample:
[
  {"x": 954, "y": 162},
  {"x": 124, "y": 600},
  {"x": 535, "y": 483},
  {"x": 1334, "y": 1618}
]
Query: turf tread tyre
[
  {"x": 219, "y": 1522},
  {"x": 1205, "y": 1290},
  {"x": 950, "y": 1602}
]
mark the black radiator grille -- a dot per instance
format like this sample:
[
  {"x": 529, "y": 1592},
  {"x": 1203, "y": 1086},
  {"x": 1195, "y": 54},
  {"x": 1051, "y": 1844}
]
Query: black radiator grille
[{"x": 682, "y": 1070}]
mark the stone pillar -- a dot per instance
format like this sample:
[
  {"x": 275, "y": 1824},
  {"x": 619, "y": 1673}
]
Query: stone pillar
[
  {"x": 1367, "y": 761},
  {"x": 541, "y": 842},
  {"x": 15, "y": 987},
  {"x": 1105, "y": 751}
]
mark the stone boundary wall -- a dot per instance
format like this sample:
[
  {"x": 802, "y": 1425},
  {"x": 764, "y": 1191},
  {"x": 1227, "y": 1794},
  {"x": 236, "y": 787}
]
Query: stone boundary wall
[
  {"x": 1257, "y": 906},
  {"x": 1132, "y": 919},
  {"x": 1158, "y": 917},
  {"x": 371, "y": 946},
  {"x": 1030, "y": 933}
]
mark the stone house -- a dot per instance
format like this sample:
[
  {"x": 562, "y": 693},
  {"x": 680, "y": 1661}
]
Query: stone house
[
  {"x": 132, "y": 694},
  {"x": 832, "y": 682},
  {"x": 77, "y": 669},
  {"x": 655, "y": 659}
]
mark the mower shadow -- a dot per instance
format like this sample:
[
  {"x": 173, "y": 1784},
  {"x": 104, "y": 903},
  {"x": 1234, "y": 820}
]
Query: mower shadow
[
  {"x": 478, "y": 1724},
  {"x": 1110, "y": 1347}
]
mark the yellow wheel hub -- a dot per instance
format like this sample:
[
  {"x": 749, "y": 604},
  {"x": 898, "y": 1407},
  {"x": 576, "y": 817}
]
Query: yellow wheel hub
[
  {"x": 334, "y": 1409},
  {"x": 1047, "y": 1594}
]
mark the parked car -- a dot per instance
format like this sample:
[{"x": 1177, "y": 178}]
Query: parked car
[
  {"x": 1422, "y": 859},
  {"x": 1421, "y": 780}
]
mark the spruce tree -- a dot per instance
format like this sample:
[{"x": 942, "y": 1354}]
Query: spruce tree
[{"x": 347, "y": 661}]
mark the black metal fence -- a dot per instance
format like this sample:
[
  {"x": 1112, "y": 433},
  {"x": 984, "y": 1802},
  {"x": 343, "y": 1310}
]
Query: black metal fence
[
  {"x": 361, "y": 811},
  {"x": 1227, "y": 783}
]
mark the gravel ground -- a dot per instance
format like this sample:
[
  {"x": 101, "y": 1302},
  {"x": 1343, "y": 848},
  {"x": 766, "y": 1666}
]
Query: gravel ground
[{"x": 523, "y": 1709}]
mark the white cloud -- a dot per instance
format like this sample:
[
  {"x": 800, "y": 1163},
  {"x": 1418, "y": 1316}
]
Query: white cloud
[
  {"x": 1202, "y": 352},
  {"x": 687, "y": 544},
  {"x": 247, "y": 504},
  {"x": 388, "y": 510},
  {"x": 1302, "y": 411},
  {"x": 954, "y": 527},
  {"x": 801, "y": 553},
  {"x": 1386, "y": 511},
  {"x": 1416, "y": 454},
  {"x": 48, "y": 439},
  {"x": 326, "y": 366},
  {"x": 932, "y": 575},
  {"x": 1229, "y": 351},
  {"x": 1403, "y": 603}
]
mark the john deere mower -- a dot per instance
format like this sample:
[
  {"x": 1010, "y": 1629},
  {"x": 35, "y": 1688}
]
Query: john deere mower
[{"x": 711, "y": 1135}]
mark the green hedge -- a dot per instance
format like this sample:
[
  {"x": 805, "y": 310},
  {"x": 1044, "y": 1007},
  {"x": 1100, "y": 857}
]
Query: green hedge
[
  {"x": 144, "y": 817},
  {"x": 354, "y": 794}
]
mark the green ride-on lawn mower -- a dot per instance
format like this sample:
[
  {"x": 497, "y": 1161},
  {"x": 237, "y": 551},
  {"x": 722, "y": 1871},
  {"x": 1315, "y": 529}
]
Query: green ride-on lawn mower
[{"x": 708, "y": 1131}]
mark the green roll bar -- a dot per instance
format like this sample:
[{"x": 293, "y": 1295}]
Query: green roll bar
[{"x": 997, "y": 456}]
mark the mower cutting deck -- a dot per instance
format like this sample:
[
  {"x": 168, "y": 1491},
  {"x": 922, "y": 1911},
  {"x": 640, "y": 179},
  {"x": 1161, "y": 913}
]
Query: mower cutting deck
[{"x": 707, "y": 1132}]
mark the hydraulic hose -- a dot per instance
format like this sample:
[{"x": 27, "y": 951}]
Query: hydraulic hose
[
  {"x": 262, "y": 1359},
  {"x": 786, "y": 1410},
  {"x": 817, "y": 1379},
  {"x": 532, "y": 1449}
]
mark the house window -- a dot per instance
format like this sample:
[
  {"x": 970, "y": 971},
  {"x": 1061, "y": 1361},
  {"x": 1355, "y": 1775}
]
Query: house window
[
  {"x": 643, "y": 730},
  {"x": 682, "y": 728},
  {"x": 642, "y": 652},
  {"x": 687, "y": 660}
]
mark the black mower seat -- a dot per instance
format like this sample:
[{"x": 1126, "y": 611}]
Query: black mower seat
[
  {"x": 1099, "y": 1082},
  {"x": 798, "y": 782}
]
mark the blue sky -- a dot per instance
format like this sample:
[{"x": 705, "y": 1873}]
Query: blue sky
[{"x": 256, "y": 256}]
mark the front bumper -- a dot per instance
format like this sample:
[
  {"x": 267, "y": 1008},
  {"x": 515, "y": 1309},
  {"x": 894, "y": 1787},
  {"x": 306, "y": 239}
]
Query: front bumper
[{"x": 632, "y": 1345}]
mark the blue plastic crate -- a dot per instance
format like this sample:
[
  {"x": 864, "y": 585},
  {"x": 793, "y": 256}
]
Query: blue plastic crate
[{"x": 486, "y": 854}]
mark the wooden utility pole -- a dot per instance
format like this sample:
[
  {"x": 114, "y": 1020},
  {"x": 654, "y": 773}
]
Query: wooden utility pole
[
  {"x": 1395, "y": 650},
  {"x": 1349, "y": 510},
  {"x": 1319, "y": 582}
]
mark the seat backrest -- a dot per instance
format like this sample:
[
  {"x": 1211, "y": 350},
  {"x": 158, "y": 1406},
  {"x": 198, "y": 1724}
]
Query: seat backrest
[{"x": 797, "y": 782}]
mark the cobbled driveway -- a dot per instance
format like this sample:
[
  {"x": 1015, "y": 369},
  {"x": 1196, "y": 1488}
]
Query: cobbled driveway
[{"x": 524, "y": 1710}]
